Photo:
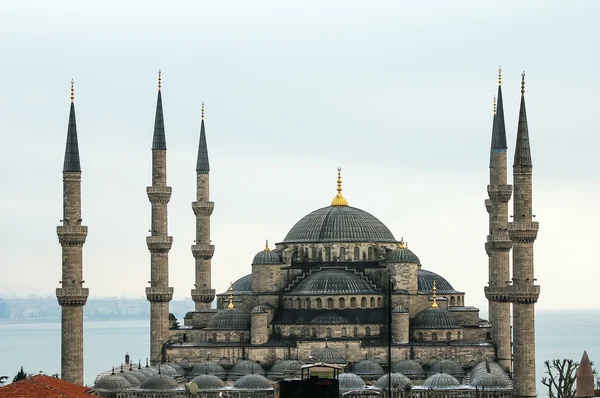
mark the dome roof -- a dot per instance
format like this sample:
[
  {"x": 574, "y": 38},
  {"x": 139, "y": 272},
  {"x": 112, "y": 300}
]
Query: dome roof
[
  {"x": 287, "y": 365},
  {"x": 208, "y": 382},
  {"x": 409, "y": 368},
  {"x": 244, "y": 367},
  {"x": 434, "y": 318},
  {"x": 253, "y": 382},
  {"x": 259, "y": 309},
  {"x": 483, "y": 369},
  {"x": 141, "y": 376},
  {"x": 441, "y": 381},
  {"x": 229, "y": 319},
  {"x": 132, "y": 378},
  {"x": 241, "y": 286},
  {"x": 350, "y": 381},
  {"x": 177, "y": 367},
  {"x": 168, "y": 370},
  {"x": 449, "y": 366},
  {"x": 367, "y": 368},
  {"x": 328, "y": 355},
  {"x": 490, "y": 380},
  {"x": 112, "y": 382},
  {"x": 333, "y": 281},
  {"x": 402, "y": 255},
  {"x": 172, "y": 317},
  {"x": 330, "y": 317},
  {"x": 266, "y": 257},
  {"x": 399, "y": 309},
  {"x": 339, "y": 224},
  {"x": 425, "y": 281},
  {"x": 159, "y": 382},
  {"x": 208, "y": 367},
  {"x": 399, "y": 381}
]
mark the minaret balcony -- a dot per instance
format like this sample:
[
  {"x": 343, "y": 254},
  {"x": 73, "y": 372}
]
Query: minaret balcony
[
  {"x": 203, "y": 208},
  {"x": 489, "y": 205},
  {"x": 523, "y": 232},
  {"x": 500, "y": 193},
  {"x": 513, "y": 294},
  {"x": 72, "y": 297},
  {"x": 203, "y": 295},
  {"x": 159, "y": 294},
  {"x": 159, "y": 194},
  {"x": 498, "y": 243},
  {"x": 72, "y": 235},
  {"x": 159, "y": 244},
  {"x": 203, "y": 251}
]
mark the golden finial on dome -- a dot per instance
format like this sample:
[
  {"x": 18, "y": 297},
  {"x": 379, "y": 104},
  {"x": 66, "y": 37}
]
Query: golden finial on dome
[
  {"x": 523, "y": 83},
  {"x": 159, "y": 79},
  {"x": 435, "y": 304},
  {"x": 202, "y": 110},
  {"x": 72, "y": 91},
  {"x": 401, "y": 243},
  {"x": 494, "y": 104},
  {"x": 230, "y": 295},
  {"x": 339, "y": 200},
  {"x": 266, "y": 245},
  {"x": 499, "y": 75}
]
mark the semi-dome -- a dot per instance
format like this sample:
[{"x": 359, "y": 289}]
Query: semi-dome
[
  {"x": 449, "y": 366},
  {"x": 208, "y": 367},
  {"x": 434, "y": 318},
  {"x": 159, "y": 382},
  {"x": 350, "y": 381},
  {"x": 208, "y": 382},
  {"x": 244, "y": 367},
  {"x": 253, "y": 382},
  {"x": 112, "y": 382},
  {"x": 283, "y": 367},
  {"x": 266, "y": 257},
  {"x": 330, "y": 317},
  {"x": 409, "y": 368},
  {"x": 241, "y": 286},
  {"x": 229, "y": 319},
  {"x": 403, "y": 255},
  {"x": 425, "y": 283},
  {"x": 339, "y": 224},
  {"x": 441, "y": 381},
  {"x": 328, "y": 355},
  {"x": 367, "y": 368},
  {"x": 399, "y": 381},
  {"x": 132, "y": 378},
  {"x": 333, "y": 281}
]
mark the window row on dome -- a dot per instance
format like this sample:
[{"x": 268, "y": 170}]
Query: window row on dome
[
  {"x": 438, "y": 335},
  {"x": 333, "y": 303},
  {"x": 329, "y": 331},
  {"x": 338, "y": 252},
  {"x": 226, "y": 336}
]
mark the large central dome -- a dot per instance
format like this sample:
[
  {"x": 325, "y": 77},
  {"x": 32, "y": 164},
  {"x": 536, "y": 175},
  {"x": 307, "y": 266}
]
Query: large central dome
[{"x": 339, "y": 224}]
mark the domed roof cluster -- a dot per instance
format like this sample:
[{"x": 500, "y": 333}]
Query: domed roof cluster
[
  {"x": 229, "y": 319},
  {"x": 403, "y": 255},
  {"x": 208, "y": 367},
  {"x": 208, "y": 382},
  {"x": 399, "y": 381},
  {"x": 409, "y": 368},
  {"x": 328, "y": 355},
  {"x": 333, "y": 281},
  {"x": 434, "y": 318},
  {"x": 253, "y": 382},
  {"x": 449, "y": 366},
  {"x": 441, "y": 381},
  {"x": 425, "y": 281},
  {"x": 159, "y": 382},
  {"x": 350, "y": 381},
  {"x": 112, "y": 382},
  {"x": 368, "y": 369},
  {"x": 339, "y": 224}
]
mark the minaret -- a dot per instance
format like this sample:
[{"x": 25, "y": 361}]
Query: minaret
[
  {"x": 523, "y": 232},
  {"x": 159, "y": 243},
  {"x": 72, "y": 296},
  {"x": 498, "y": 243},
  {"x": 202, "y": 250}
]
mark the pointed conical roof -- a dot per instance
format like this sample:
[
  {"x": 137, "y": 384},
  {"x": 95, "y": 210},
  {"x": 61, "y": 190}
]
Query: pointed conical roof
[
  {"x": 202, "y": 165},
  {"x": 585, "y": 378},
  {"x": 158, "y": 140},
  {"x": 499, "y": 129},
  {"x": 71, "y": 163},
  {"x": 522, "y": 148}
]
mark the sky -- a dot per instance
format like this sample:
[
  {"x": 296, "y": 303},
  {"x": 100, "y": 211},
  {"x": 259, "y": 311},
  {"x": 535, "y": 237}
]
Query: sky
[{"x": 398, "y": 94}]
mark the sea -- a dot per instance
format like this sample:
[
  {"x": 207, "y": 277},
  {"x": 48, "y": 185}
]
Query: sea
[{"x": 36, "y": 346}]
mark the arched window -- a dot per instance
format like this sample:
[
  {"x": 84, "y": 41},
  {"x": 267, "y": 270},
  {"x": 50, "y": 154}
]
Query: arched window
[
  {"x": 330, "y": 303},
  {"x": 420, "y": 336},
  {"x": 371, "y": 255},
  {"x": 319, "y": 303},
  {"x": 278, "y": 331},
  {"x": 328, "y": 253},
  {"x": 372, "y": 302},
  {"x": 214, "y": 337},
  {"x": 434, "y": 336},
  {"x": 342, "y": 253},
  {"x": 320, "y": 254},
  {"x": 314, "y": 333},
  {"x": 205, "y": 336},
  {"x": 363, "y": 302},
  {"x": 242, "y": 336},
  {"x": 295, "y": 257},
  {"x": 313, "y": 255},
  {"x": 356, "y": 254},
  {"x": 328, "y": 333},
  {"x": 452, "y": 301},
  {"x": 353, "y": 302},
  {"x": 367, "y": 331},
  {"x": 378, "y": 302},
  {"x": 307, "y": 303},
  {"x": 488, "y": 336},
  {"x": 342, "y": 302},
  {"x": 298, "y": 302},
  {"x": 304, "y": 332},
  {"x": 343, "y": 332},
  {"x": 458, "y": 335},
  {"x": 355, "y": 332},
  {"x": 448, "y": 336},
  {"x": 302, "y": 254},
  {"x": 381, "y": 330},
  {"x": 459, "y": 301}
]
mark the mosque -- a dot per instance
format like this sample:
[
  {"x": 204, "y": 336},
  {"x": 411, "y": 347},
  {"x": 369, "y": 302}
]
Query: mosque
[{"x": 339, "y": 288}]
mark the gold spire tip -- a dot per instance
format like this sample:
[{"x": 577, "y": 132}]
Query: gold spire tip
[
  {"x": 72, "y": 91},
  {"x": 523, "y": 83},
  {"x": 402, "y": 243},
  {"x": 202, "y": 110},
  {"x": 339, "y": 200},
  {"x": 230, "y": 295},
  {"x": 266, "y": 245},
  {"x": 159, "y": 79},
  {"x": 494, "y": 104},
  {"x": 434, "y": 290},
  {"x": 499, "y": 75}
]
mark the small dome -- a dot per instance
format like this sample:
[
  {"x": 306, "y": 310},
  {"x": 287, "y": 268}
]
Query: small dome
[
  {"x": 350, "y": 381},
  {"x": 244, "y": 367},
  {"x": 409, "y": 368},
  {"x": 159, "y": 382},
  {"x": 142, "y": 377},
  {"x": 399, "y": 309},
  {"x": 399, "y": 381},
  {"x": 441, "y": 381},
  {"x": 434, "y": 318},
  {"x": 266, "y": 257},
  {"x": 207, "y": 382},
  {"x": 403, "y": 255},
  {"x": 152, "y": 369},
  {"x": 330, "y": 317},
  {"x": 253, "y": 382},
  {"x": 490, "y": 381},
  {"x": 333, "y": 281},
  {"x": 241, "y": 286},
  {"x": 481, "y": 368},
  {"x": 131, "y": 378},
  {"x": 259, "y": 309},
  {"x": 328, "y": 355},
  {"x": 368, "y": 369},
  {"x": 167, "y": 370},
  {"x": 208, "y": 367},
  {"x": 172, "y": 317},
  {"x": 177, "y": 367},
  {"x": 229, "y": 319},
  {"x": 449, "y": 366},
  {"x": 425, "y": 283},
  {"x": 112, "y": 382},
  {"x": 146, "y": 372},
  {"x": 279, "y": 370}
]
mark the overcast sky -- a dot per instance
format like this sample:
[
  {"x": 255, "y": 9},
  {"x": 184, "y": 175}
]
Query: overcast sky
[{"x": 397, "y": 93}]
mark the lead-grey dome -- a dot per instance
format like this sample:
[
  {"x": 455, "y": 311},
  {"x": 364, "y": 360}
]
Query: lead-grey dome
[
  {"x": 112, "y": 382},
  {"x": 141, "y": 376},
  {"x": 403, "y": 255},
  {"x": 330, "y": 317},
  {"x": 244, "y": 367},
  {"x": 434, "y": 318},
  {"x": 425, "y": 283},
  {"x": 409, "y": 368},
  {"x": 367, "y": 368},
  {"x": 350, "y": 381},
  {"x": 449, "y": 366},
  {"x": 132, "y": 378},
  {"x": 229, "y": 319},
  {"x": 441, "y": 381},
  {"x": 168, "y": 370},
  {"x": 399, "y": 309},
  {"x": 490, "y": 381},
  {"x": 339, "y": 224},
  {"x": 328, "y": 355},
  {"x": 399, "y": 381},
  {"x": 208, "y": 367},
  {"x": 333, "y": 281},
  {"x": 253, "y": 382},
  {"x": 279, "y": 370},
  {"x": 208, "y": 382},
  {"x": 266, "y": 257},
  {"x": 241, "y": 286},
  {"x": 159, "y": 382}
]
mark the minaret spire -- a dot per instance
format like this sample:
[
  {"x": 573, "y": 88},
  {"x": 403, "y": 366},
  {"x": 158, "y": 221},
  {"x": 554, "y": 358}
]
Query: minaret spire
[
  {"x": 522, "y": 149},
  {"x": 202, "y": 165},
  {"x": 158, "y": 140},
  {"x": 499, "y": 129},
  {"x": 71, "y": 163}
]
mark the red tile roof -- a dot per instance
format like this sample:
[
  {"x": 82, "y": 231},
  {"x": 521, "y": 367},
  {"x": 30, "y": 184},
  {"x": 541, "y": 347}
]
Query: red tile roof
[{"x": 42, "y": 386}]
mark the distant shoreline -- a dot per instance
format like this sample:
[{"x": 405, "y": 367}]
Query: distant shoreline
[{"x": 22, "y": 321}]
